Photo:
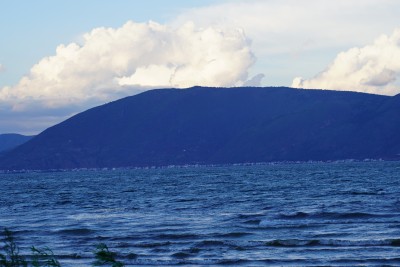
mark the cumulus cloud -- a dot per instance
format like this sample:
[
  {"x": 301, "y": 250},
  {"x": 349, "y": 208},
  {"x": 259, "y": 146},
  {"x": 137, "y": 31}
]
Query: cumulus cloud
[
  {"x": 110, "y": 62},
  {"x": 280, "y": 26},
  {"x": 372, "y": 69},
  {"x": 291, "y": 37},
  {"x": 286, "y": 33}
]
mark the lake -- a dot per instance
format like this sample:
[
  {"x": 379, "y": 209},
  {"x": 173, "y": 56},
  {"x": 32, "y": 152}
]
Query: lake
[{"x": 309, "y": 214}]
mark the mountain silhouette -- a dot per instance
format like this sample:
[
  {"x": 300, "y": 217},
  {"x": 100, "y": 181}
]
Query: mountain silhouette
[
  {"x": 10, "y": 141},
  {"x": 218, "y": 126}
]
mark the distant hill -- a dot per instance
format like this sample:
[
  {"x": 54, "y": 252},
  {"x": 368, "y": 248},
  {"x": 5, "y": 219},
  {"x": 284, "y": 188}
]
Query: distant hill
[
  {"x": 9, "y": 141},
  {"x": 213, "y": 126}
]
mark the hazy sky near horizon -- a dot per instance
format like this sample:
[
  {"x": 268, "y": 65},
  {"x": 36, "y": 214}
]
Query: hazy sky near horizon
[{"x": 58, "y": 58}]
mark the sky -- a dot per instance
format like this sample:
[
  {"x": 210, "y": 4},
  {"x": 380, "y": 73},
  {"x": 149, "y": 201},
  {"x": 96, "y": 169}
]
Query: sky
[{"x": 61, "y": 57}]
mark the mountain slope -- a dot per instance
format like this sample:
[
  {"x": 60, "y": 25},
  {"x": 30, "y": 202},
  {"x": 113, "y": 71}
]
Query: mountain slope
[
  {"x": 207, "y": 125},
  {"x": 9, "y": 141}
]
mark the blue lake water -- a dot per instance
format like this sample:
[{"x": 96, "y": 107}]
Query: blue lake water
[{"x": 325, "y": 214}]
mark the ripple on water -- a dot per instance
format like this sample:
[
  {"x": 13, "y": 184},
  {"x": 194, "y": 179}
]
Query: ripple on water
[{"x": 339, "y": 214}]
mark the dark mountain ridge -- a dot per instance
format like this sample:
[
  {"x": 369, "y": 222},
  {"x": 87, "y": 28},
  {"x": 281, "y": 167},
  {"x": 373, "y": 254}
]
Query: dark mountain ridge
[
  {"x": 10, "y": 140},
  {"x": 218, "y": 126}
]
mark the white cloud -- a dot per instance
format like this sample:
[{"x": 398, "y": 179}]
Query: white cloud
[
  {"x": 2, "y": 68},
  {"x": 372, "y": 69},
  {"x": 110, "y": 62},
  {"x": 203, "y": 46},
  {"x": 277, "y": 26},
  {"x": 292, "y": 37},
  {"x": 255, "y": 81}
]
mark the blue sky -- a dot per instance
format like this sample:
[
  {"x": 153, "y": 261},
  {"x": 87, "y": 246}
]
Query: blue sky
[
  {"x": 31, "y": 30},
  {"x": 59, "y": 57}
]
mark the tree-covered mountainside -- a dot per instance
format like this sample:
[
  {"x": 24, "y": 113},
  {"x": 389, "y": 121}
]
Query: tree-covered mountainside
[{"x": 218, "y": 125}]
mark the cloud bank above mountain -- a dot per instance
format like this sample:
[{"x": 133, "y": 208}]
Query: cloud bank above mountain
[
  {"x": 112, "y": 62},
  {"x": 373, "y": 68},
  {"x": 205, "y": 45},
  {"x": 291, "y": 29}
]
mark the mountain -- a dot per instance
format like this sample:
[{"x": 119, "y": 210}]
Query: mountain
[
  {"x": 223, "y": 125},
  {"x": 9, "y": 141}
]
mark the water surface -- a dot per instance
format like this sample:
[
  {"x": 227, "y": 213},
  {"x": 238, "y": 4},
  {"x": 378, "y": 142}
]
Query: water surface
[{"x": 321, "y": 214}]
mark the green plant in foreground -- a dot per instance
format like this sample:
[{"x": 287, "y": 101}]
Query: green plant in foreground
[
  {"x": 11, "y": 258},
  {"x": 105, "y": 257},
  {"x": 44, "y": 257}
]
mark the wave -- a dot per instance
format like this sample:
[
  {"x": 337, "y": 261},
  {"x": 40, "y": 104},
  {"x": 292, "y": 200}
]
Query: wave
[
  {"x": 249, "y": 215},
  {"x": 333, "y": 243},
  {"x": 233, "y": 245},
  {"x": 315, "y": 222},
  {"x": 233, "y": 234},
  {"x": 177, "y": 236},
  {"x": 181, "y": 255},
  {"x": 331, "y": 215},
  {"x": 76, "y": 231},
  {"x": 100, "y": 215},
  {"x": 64, "y": 202},
  {"x": 233, "y": 262},
  {"x": 188, "y": 200},
  {"x": 294, "y": 215},
  {"x": 206, "y": 243},
  {"x": 374, "y": 192},
  {"x": 153, "y": 244}
]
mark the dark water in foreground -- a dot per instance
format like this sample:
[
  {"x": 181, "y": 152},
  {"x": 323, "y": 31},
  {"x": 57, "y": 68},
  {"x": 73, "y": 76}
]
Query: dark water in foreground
[{"x": 337, "y": 214}]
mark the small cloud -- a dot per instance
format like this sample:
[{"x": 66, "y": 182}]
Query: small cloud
[
  {"x": 2, "y": 68},
  {"x": 298, "y": 82},
  {"x": 255, "y": 81},
  {"x": 373, "y": 69}
]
